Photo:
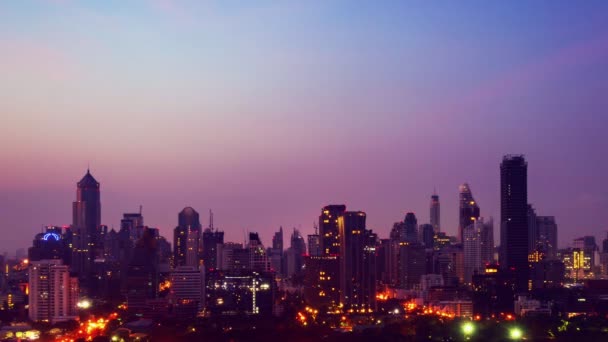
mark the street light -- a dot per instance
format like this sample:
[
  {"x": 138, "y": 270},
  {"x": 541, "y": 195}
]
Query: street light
[
  {"x": 468, "y": 328},
  {"x": 515, "y": 333}
]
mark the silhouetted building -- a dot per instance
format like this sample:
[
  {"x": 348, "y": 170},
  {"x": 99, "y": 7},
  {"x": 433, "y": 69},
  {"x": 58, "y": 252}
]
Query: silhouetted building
[
  {"x": 493, "y": 292},
  {"x": 258, "y": 260},
  {"x": 427, "y": 233},
  {"x": 322, "y": 281},
  {"x": 225, "y": 255},
  {"x": 49, "y": 245},
  {"x": 86, "y": 225},
  {"x": 412, "y": 264},
  {"x": 357, "y": 262},
  {"x": 514, "y": 218},
  {"x": 276, "y": 252},
  {"x": 134, "y": 224},
  {"x": 410, "y": 228},
  {"x": 547, "y": 235},
  {"x": 211, "y": 238},
  {"x": 314, "y": 245},
  {"x": 548, "y": 274},
  {"x": 185, "y": 238},
  {"x": 469, "y": 210},
  {"x": 187, "y": 291},
  {"x": 435, "y": 213},
  {"x": 143, "y": 274},
  {"x": 328, "y": 229}
]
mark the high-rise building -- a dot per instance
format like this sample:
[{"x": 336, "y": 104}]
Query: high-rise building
[
  {"x": 314, "y": 245},
  {"x": 412, "y": 264},
  {"x": 277, "y": 240},
  {"x": 143, "y": 274},
  {"x": 187, "y": 291},
  {"x": 49, "y": 245},
  {"x": 514, "y": 218},
  {"x": 427, "y": 235},
  {"x": 298, "y": 245},
  {"x": 211, "y": 238},
  {"x": 225, "y": 255},
  {"x": 478, "y": 248},
  {"x": 53, "y": 293},
  {"x": 329, "y": 230},
  {"x": 86, "y": 223},
  {"x": 357, "y": 262},
  {"x": 532, "y": 230},
  {"x": 322, "y": 281},
  {"x": 435, "y": 213},
  {"x": 547, "y": 236},
  {"x": 134, "y": 224},
  {"x": 588, "y": 246},
  {"x": 258, "y": 260},
  {"x": 188, "y": 228},
  {"x": 469, "y": 210},
  {"x": 410, "y": 228},
  {"x": 275, "y": 254}
]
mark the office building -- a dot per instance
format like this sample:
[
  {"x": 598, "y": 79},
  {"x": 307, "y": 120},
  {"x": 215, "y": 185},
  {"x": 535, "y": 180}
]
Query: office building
[
  {"x": 435, "y": 210},
  {"x": 187, "y": 291},
  {"x": 329, "y": 230},
  {"x": 357, "y": 262},
  {"x": 514, "y": 240},
  {"x": 86, "y": 225},
  {"x": 469, "y": 209},
  {"x": 185, "y": 237}
]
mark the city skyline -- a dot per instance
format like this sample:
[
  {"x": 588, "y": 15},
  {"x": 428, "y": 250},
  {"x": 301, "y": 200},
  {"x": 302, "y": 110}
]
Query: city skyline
[
  {"x": 268, "y": 240},
  {"x": 236, "y": 108}
]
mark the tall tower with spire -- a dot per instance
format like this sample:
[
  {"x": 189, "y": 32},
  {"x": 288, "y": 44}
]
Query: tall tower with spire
[
  {"x": 86, "y": 225},
  {"x": 435, "y": 213}
]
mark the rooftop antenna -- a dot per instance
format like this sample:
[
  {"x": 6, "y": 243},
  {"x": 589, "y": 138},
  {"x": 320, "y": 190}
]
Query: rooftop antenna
[
  {"x": 88, "y": 166},
  {"x": 314, "y": 224},
  {"x": 141, "y": 207}
]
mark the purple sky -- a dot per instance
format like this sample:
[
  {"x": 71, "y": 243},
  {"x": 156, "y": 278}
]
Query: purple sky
[{"x": 267, "y": 112}]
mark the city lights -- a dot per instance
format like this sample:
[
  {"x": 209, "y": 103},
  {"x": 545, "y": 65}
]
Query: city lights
[
  {"x": 516, "y": 333},
  {"x": 468, "y": 328}
]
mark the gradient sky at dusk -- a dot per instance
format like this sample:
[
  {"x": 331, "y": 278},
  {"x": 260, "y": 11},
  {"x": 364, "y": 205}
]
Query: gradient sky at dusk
[{"x": 265, "y": 111}]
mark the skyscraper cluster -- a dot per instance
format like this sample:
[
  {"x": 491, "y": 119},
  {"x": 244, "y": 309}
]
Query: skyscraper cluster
[{"x": 342, "y": 266}]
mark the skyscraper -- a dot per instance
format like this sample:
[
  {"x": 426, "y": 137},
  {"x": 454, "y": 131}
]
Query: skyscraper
[
  {"x": 86, "y": 222},
  {"x": 427, "y": 235},
  {"x": 478, "y": 247},
  {"x": 211, "y": 238},
  {"x": 134, "y": 224},
  {"x": 357, "y": 262},
  {"x": 188, "y": 227},
  {"x": 329, "y": 231},
  {"x": 435, "y": 213},
  {"x": 410, "y": 228},
  {"x": 469, "y": 210},
  {"x": 514, "y": 218},
  {"x": 258, "y": 260},
  {"x": 547, "y": 235}
]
